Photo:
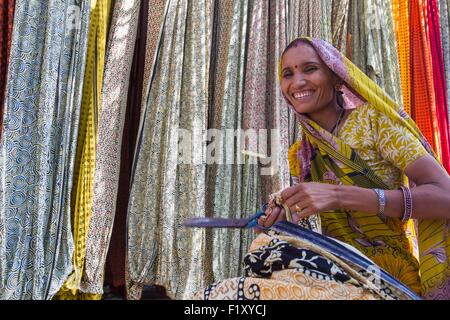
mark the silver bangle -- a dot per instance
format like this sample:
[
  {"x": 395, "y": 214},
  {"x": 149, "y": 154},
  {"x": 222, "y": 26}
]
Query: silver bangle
[{"x": 381, "y": 203}]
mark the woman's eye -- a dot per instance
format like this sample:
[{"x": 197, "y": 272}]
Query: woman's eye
[
  {"x": 310, "y": 69},
  {"x": 287, "y": 74}
]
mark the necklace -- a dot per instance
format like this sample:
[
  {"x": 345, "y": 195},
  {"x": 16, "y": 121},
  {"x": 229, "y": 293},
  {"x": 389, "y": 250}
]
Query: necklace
[{"x": 336, "y": 126}]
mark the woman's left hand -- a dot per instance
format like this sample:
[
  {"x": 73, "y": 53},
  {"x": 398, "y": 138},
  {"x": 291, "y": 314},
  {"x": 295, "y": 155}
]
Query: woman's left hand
[{"x": 305, "y": 199}]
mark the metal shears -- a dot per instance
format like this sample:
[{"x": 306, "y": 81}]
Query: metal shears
[{"x": 249, "y": 222}]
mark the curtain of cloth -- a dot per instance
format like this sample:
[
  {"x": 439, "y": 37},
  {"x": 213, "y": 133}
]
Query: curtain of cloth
[
  {"x": 169, "y": 174},
  {"x": 277, "y": 122},
  {"x": 307, "y": 18},
  {"x": 339, "y": 25},
  {"x": 358, "y": 34},
  {"x": 6, "y": 27},
  {"x": 119, "y": 56},
  {"x": 84, "y": 171},
  {"x": 229, "y": 176},
  {"x": 115, "y": 261},
  {"x": 373, "y": 44},
  {"x": 38, "y": 147},
  {"x": 400, "y": 13},
  {"x": 156, "y": 15},
  {"x": 440, "y": 92},
  {"x": 423, "y": 104}
]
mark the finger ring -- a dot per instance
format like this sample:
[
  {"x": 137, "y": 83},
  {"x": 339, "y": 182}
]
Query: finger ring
[
  {"x": 297, "y": 208},
  {"x": 279, "y": 199}
]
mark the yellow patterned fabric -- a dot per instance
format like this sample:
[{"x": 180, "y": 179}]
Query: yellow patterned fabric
[
  {"x": 377, "y": 142},
  {"x": 81, "y": 201}
]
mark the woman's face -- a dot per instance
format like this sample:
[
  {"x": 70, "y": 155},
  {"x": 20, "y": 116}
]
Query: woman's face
[{"x": 306, "y": 81}]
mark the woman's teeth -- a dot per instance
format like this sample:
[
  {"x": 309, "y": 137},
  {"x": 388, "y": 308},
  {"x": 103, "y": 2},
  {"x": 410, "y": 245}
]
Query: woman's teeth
[{"x": 299, "y": 95}]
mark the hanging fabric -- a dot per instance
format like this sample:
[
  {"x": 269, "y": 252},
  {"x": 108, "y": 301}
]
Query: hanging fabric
[
  {"x": 444, "y": 20},
  {"x": 115, "y": 261},
  {"x": 112, "y": 111},
  {"x": 339, "y": 19},
  {"x": 323, "y": 19},
  {"x": 229, "y": 178},
  {"x": 38, "y": 146},
  {"x": 434, "y": 32},
  {"x": 6, "y": 26},
  {"x": 84, "y": 171},
  {"x": 169, "y": 173},
  {"x": 423, "y": 104},
  {"x": 373, "y": 44},
  {"x": 306, "y": 18},
  {"x": 357, "y": 30},
  {"x": 274, "y": 175},
  {"x": 155, "y": 23}
]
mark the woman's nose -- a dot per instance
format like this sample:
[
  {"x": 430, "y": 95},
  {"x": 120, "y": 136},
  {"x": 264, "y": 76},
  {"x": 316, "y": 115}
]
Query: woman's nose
[{"x": 299, "y": 80}]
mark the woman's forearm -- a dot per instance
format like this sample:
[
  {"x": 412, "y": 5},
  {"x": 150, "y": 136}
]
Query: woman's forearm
[{"x": 429, "y": 201}]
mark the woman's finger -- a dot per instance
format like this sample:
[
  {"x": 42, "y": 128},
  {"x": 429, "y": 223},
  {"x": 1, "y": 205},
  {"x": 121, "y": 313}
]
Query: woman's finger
[
  {"x": 294, "y": 191},
  {"x": 272, "y": 217}
]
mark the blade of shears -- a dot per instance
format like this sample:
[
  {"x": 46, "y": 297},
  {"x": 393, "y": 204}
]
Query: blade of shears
[{"x": 204, "y": 222}]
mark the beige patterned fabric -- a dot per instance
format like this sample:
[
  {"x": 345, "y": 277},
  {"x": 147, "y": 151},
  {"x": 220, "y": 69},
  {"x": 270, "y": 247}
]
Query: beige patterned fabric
[
  {"x": 156, "y": 15},
  {"x": 339, "y": 20},
  {"x": 165, "y": 191},
  {"x": 111, "y": 119},
  {"x": 373, "y": 44},
  {"x": 226, "y": 186}
]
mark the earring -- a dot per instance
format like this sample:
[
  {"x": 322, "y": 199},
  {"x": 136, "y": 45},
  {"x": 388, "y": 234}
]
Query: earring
[
  {"x": 338, "y": 88},
  {"x": 339, "y": 95}
]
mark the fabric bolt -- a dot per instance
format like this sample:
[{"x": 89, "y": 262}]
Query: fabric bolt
[
  {"x": 423, "y": 104},
  {"x": 400, "y": 13},
  {"x": 276, "y": 174},
  {"x": 6, "y": 27},
  {"x": 169, "y": 171},
  {"x": 38, "y": 146},
  {"x": 228, "y": 188},
  {"x": 84, "y": 171},
  {"x": 439, "y": 82},
  {"x": 115, "y": 261},
  {"x": 305, "y": 18},
  {"x": 444, "y": 20},
  {"x": 155, "y": 22},
  {"x": 119, "y": 55},
  {"x": 219, "y": 78},
  {"x": 373, "y": 45},
  {"x": 339, "y": 24},
  {"x": 357, "y": 28}
]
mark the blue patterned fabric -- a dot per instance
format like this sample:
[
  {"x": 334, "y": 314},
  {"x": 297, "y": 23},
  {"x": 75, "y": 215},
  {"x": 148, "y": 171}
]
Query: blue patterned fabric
[{"x": 38, "y": 146}]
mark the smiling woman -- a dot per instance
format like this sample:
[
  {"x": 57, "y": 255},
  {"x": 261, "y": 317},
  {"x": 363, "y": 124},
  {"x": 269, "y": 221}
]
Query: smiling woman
[{"x": 352, "y": 168}]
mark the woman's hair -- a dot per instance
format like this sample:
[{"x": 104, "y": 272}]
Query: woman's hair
[{"x": 294, "y": 44}]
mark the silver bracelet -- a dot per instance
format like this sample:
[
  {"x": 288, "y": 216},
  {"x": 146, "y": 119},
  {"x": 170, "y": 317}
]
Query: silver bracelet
[
  {"x": 381, "y": 203},
  {"x": 407, "y": 202}
]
